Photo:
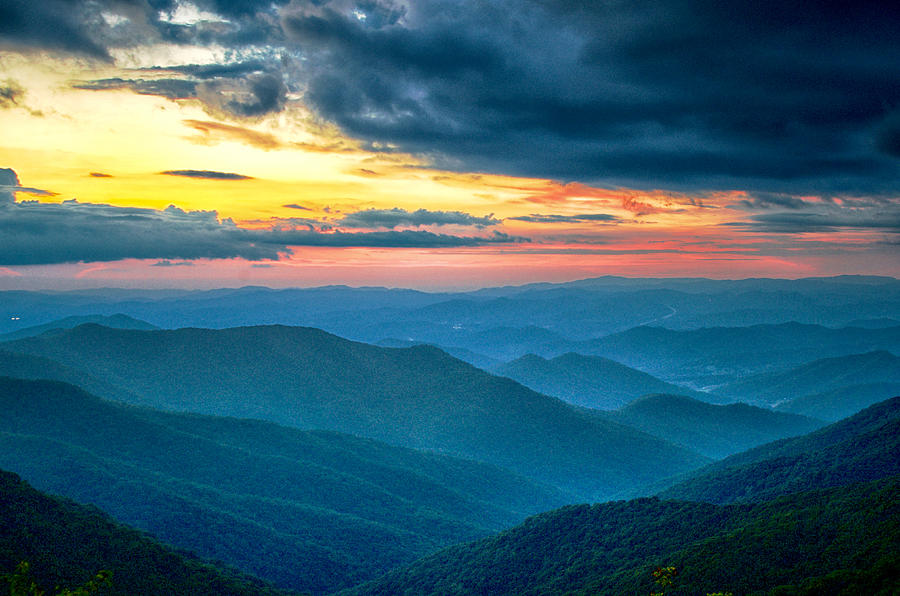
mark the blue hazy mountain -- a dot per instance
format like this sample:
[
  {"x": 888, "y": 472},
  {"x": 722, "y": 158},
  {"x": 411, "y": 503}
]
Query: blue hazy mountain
[
  {"x": 820, "y": 376},
  {"x": 116, "y": 321},
  {"x": 66, "y": 544},
  {"x": 834, "y": 541},
  {"x": 857, "y": 449},
  {"x": 589, "y": 381},
  {"x": 820, "y": 517},
  {"x": 416, "y": 397},
  {"x": 578, "y": 311},
  {"x": 716, "y": 356},
  {"x": 712, "y": 430},
  {"x": 311, "y": 511}
]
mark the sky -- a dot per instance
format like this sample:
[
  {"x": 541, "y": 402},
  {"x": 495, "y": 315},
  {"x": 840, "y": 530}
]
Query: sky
[{"x": 445, "y": 144}]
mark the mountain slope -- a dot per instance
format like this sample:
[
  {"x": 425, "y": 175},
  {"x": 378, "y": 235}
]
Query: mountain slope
[
  {"x": 589, "y": 381},
  {"x": 27, "y": 366},
  {"x": 861, "y": 448},
  {"x": 66, "y": 544},
  {"x": 260, "y": 497},
  {"x": 819, "y": 376},
  {"x": 714, "y": 431},
  {"x": 717, "y": 355},
  {"x": 417, "y": 397},
  {"x": 840, "y": 403},
  {"x": 811, "y": 543},
  {"x": 116, "y": 321}
]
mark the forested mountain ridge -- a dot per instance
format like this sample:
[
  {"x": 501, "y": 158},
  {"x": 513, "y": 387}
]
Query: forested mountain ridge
[
  {"x": 837, "y": 541},
  {"x": 116, "y": 321},
  {"x": 819, "y": 376},
  {"x": 417, "y": 397},
  {"x": 719, "y": 355},
  {"x": 313, "y": 511},
  {"x": 713, "y": 430},
  {"x": 66, "y": 544},
  {"x": 861, "y": 448},
  {"x": 589, "y": 381}
]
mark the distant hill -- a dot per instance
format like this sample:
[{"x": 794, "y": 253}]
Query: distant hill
[
  {"x": 840, "y": 403},
  {"x": 575, "y": 311},
  {"x": 27, "y": 366},
  {"x": 714, "y": 431},
  {"x": 417, "y": 397},
  {"x": 117, "y": 321},
  {"x": 261, "y": 497},
  {"x": 837, "y": 541},
  {"x": 589, "y": 381},
  {"x": 881, "y": 323},
  {"x": 861, "y": 448},
  {"x": 474, "y": 358},
  {"x": 820, "y": 376},
  {"x": 66, "y": 544},
  {"x": 720, "y": 355}
]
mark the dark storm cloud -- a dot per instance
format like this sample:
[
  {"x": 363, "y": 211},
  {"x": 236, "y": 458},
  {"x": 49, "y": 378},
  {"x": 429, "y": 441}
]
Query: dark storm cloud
[
  {"x": 702, "y": 94},
  {"x": 168, "y": 88},
  {"x": 776, "y": 96},
  {"x": 9, "y": 186},
  {"x": 392, "y": 218},
  {"x": 296, "y": 206},
  {"x": 828, "y": 217},
  {"x": 887, "y": 139},
  {"x": 251, "y": 96},
  {"x": 241, "y": 96},
  {"x": 391, "y": 239},
  {"x": 552, "y": 218},
  {"x": 770, "y": 200},
  {"x": 212, "y": 71},
  {"x": 33, "y": 233},
  {"x": 11, "y": 93},
  {"x": 49, "y": 24},
  {"x": 206, "y": 175}
]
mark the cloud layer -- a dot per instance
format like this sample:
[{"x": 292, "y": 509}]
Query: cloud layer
[
  {"x": 35, "y": 233},
  {"x": 769, "y": 96}
]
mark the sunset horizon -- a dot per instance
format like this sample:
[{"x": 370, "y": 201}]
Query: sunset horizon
[{"x": 422, "y": 144}]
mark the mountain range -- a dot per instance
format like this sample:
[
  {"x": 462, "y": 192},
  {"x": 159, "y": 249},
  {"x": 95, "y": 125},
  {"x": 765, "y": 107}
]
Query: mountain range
[
  {"x": 794, "y": 389},
  {"x": 589, "y": 381},
  {"x": 66, "y": 544},
  {"x": 861, "y": 448},
  {"x": 713, "y": 430},
  {"x": 340, "y": 441},
  {"x": 416, "y": 397},
  {"x": 834, "y": 530},
  {"x": 258, "y": 496}
]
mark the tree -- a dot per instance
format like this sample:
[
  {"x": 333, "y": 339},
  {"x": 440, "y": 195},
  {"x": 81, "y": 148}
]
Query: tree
[{"x": 21, "y": 583}]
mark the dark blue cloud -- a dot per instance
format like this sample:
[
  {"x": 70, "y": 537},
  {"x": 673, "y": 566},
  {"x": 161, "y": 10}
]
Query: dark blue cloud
[
  {"x": 33, "y": 233},
  {"x": 49, "y": 24},
  {"x": 698, "y": 95},
  {"x": 392, "y": 218},
  {"x": 11, "y": 94},
  {"x": 776, "y": 96},
  {"x": 169, "y": 88},
  {"x": 206, "y": 175},
  {"x": 582, "y": 218}
]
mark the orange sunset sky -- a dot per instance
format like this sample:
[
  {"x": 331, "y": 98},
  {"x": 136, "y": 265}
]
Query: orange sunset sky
[{"x": 418, "y": 144}]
